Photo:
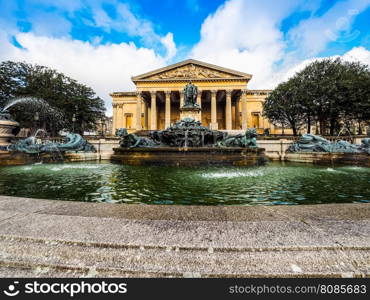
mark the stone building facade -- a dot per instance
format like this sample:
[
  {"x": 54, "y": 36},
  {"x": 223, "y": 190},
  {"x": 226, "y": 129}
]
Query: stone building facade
[{"x": 226, "y": 102}]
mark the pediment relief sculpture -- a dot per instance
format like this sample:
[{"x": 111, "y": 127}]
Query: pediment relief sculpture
[{"x": 191, "y": 71}]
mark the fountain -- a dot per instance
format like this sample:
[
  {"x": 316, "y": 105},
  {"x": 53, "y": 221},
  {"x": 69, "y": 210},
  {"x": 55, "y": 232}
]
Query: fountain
[
  {"x": 9, "y": 127},
  {"x": 188, "y": 143},
  {"x": 315, "y": 143},
  {"x": 31, "y": 149},
  {"x": 316, "y": 149},
  {"x": 73, "y": 143}
]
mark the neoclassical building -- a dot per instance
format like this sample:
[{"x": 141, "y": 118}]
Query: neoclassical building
[{"x": 226, "y": 102}]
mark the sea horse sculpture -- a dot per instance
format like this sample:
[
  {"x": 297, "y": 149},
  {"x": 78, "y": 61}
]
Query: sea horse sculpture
[
  {"x": 74, "y": 142},
  {"x": 132, "y": 140},
  {"x": 315, "y": 143},
  {"x": 365, "y": 145},
  {"x": 247, "y": 140}
]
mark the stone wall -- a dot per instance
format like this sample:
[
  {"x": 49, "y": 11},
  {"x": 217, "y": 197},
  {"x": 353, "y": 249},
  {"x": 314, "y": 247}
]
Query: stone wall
[
  {"x": 18, "y": 158},
  {"x": 173, "y": 156},
  {"x": 324, "y": 158},
  {"x": 104, "y": 146}
]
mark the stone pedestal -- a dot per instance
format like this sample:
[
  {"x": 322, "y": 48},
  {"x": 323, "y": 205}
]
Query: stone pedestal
[
  {"x": 6, "y": 131},
  {"x": 190, "y": 112},
  {"x": 213, "y": 126},
  {"x": 189, "y": 157}
]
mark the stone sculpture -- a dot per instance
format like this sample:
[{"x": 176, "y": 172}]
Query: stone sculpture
[
  {"x": 365, "y": 145},
  {"x": 315, "y": 143},
  {"x": 73, "y": 142},
  {"x": 132, "y": 140},
  {"x": 249, "y": 139},
  {"x": 187, "y": 133},
  {"x": 5, "y": 116},
  {"x": 190, "y": 95}
]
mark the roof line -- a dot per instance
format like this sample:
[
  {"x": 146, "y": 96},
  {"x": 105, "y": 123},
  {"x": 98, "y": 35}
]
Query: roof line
[{"x": 190, "y": 61}]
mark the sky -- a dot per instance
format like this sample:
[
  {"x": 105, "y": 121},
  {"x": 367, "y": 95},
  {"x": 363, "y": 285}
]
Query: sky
[{"x": 103, "y": 43}]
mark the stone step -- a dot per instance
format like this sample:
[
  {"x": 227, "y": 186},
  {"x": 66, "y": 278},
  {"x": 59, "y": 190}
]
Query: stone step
[
  {"x": 32, "y": 257},
  {"x": 74, "y": 239}
]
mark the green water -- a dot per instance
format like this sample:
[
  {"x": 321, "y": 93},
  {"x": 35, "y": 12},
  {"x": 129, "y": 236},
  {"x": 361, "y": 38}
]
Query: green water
[{"x": 274, "y": 183}]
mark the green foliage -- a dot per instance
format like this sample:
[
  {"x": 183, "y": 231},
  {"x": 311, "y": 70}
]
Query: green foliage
[
  {"x": 283, "y": 107},
  {"x": 331, "y": 92},
  {"x": 61, "y": 92}
]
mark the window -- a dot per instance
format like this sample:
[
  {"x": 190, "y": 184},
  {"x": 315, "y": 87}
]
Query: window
[
  {"x": 256, "y": 120},
  {"x": 128, "y": 118}
]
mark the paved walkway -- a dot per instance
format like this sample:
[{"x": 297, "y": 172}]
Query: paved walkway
[{"x": 73, "y": 239}]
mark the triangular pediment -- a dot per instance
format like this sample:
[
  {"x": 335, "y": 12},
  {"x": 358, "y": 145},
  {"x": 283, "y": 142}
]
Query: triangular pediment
[{"x": 191, "y": 69}]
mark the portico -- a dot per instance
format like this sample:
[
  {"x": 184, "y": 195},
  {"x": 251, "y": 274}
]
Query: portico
[{"x": 222, "y": 96}]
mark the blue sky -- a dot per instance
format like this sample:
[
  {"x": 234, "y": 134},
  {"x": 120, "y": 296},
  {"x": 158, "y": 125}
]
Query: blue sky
[{"x": 103, "y": 43}]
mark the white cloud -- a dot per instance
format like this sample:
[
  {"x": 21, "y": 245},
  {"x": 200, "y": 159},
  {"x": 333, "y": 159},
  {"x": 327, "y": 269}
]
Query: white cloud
[
  {"x": 105, "y": 68},
  {"x": 242, "y": 34},
  {"x": 246, "y": 35},
  {"x": 359, "y": 54},
  {"x": 134, "y": 26},
  {"x": 311, "y": 36}
]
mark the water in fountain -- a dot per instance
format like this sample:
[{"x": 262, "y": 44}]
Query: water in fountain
[
  {"x": 186, "y": 138},
  {"x": 33, "y": 138},
  {"x": 37, "y": 105},
  {"x": 275, "y": 183}
]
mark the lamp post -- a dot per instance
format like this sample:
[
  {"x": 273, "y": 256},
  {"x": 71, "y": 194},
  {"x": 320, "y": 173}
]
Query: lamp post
[
  {"x": 103, "y": 127},
  {"x": 36, "y": 118},
  {"x": 73, "y": 122}
]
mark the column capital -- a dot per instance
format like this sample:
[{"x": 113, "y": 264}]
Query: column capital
[
  {"x": 244, "y": 92},
  {"x": 167, "y": 93},
  {"x": 229, "y": 92},
  {"x": 213, "y": 92},
  {"x": 153, "y": 93}
]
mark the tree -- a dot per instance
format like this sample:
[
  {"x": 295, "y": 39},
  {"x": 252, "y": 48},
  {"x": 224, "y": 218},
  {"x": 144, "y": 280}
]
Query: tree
[
  {"x": 283, "y": 108},
  {"x": 329, "y": 91},
  {"x": 73, "y": 99}
]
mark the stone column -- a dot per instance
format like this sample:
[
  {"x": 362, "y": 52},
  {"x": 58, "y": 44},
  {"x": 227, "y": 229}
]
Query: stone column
[
  {"x": 199, "y": 98},
  {"x": 146, "y": 117},
  {"x": 120, "y": 119},
  {"x": 199, "y": 102},
  {"x": 167, "y": 112},
  {"x": 115, "y": 118},
  {"x": 149, "y": 117},
  {"x": 153, "y": 110},
  {"x": 181, "y": 92},
  {"x": 138, "y": 111},
  {"x": 237, "y": 113},
  {"x": 228, "y": 115},
  {"x": 244, "y": 110},
  {"x": 214, "y": 124}
]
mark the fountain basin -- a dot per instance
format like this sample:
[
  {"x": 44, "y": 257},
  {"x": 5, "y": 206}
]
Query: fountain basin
[
  {"x": 327, "y": 158},
  {"x": 6, "y": 131},
  {"x": 189, "y": 156},
  {"x": 272, "y": 184},
  {"x": 18, "y": 158}
]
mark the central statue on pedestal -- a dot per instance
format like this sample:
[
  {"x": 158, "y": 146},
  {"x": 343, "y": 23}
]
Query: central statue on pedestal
[{"x": 190, "y": 95}]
